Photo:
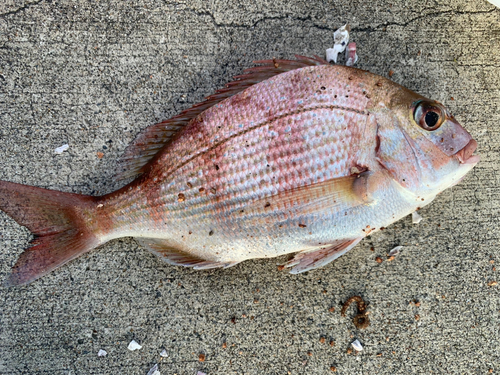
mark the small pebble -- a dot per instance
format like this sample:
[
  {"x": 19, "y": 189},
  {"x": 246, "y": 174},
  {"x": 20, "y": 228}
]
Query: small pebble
[
  {"x": 134, "y": 345},
  {"x": 357, "y": 345},
  {"x": 394, "y": 251},
  {"x": 102, "y": 353},
  {"x": 416, "y": 218},
  {"x": 154, "y": 370},
  {"x": 164, "y": 353},
  {"x": 61, "y": 149}
]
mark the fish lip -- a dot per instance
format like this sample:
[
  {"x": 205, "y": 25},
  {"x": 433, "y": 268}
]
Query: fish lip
[{"x": 465, "y": 156}]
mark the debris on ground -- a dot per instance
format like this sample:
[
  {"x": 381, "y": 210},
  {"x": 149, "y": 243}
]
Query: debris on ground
[
  {"x": 361, "y": 320},
  {"x": 164, "y": 353},
  {"x": 134, "y": 345},
  {"x": 416, "y": 218},
  {"x": 61, "y": 149},
  {"x": 395, "y": 251},
  {"x": 340, "y": 39},
  {"x": 154, "y": 370},
  {"x": 200, "y": 373},
  {"x": 102, "y": 353},
  {"x": 351, "y": 57},
  {"x": 357, "y": 345}
]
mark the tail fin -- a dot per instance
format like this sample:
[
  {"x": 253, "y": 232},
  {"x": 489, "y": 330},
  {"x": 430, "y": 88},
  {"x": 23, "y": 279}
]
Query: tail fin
[{"x": 56, "y": 221}]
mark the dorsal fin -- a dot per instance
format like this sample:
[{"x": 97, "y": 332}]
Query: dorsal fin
[{"x": 155, "y": 137}]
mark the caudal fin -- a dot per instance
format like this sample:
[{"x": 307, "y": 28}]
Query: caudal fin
[{"x": 56, "y": 220}]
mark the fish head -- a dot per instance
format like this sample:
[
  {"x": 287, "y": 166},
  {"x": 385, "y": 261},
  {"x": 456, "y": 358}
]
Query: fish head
[{"x": 422, "y": 145}]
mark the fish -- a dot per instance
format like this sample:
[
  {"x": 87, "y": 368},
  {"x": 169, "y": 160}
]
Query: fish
[{"x": 293, "y": 157}]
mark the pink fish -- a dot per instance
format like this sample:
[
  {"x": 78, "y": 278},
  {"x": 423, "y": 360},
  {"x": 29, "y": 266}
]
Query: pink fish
[{"x": 295, "y": 156}]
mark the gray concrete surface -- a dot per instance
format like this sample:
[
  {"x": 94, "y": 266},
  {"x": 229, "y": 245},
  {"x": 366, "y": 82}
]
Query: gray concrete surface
[{"x": 93, "y": 73}]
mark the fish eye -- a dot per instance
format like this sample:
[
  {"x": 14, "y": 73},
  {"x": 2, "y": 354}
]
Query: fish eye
[{"x": 429, "y": 115}]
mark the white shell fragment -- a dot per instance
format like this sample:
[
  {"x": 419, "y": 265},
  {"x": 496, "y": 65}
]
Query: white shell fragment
[
  {"x": 340, "y": 39},
  {"x": 164, "y": 353},
  {"x": 416, "y": 218},
  {"x": 133, "y": 345},
  {"x": 394, "y": 251},
  {"x": 154, "y": 370},
  {"x": 351, "y": 57},
  {"x": 102, "y": 353},
  {"x": 61, "y": 149},
  {"x": 200, "y": 373},
  {"x": 357, "y": 345}
]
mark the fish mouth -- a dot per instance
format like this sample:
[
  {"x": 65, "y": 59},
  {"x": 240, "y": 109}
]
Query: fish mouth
[{"x": 465, "y": 155}]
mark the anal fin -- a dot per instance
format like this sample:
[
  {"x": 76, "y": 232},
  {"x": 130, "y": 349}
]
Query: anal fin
[
  {"x": 309, "y": 260},
  {"x": 164, "y": 250}
]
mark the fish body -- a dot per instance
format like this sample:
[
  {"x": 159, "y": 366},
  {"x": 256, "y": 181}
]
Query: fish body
[{"x": 308, "y": 161}]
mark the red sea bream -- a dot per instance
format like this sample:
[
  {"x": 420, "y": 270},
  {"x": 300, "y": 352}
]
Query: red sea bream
[{"x": 295, "y": 156}]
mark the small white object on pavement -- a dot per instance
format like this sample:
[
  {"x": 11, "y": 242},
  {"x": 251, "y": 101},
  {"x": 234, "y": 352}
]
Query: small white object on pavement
[
  {"x": 154, "y": 370},
  {"x": 351, "y": 57},
  {"x": 395, "y": 251},
  {"x": 61, "y": 149},
  {"x": 133, "y": 345},
  {"x": 340, "y": 39},
  {"x": 164, "y": 353},
  {"x": 416, "y": 218},
  {"x": 357, "y": 345},
  {"x": 200, "y": 373},
  {"x": 102, "y": 353}
]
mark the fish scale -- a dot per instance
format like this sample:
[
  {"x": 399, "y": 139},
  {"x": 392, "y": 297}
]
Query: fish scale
[{"x": 294, "y": 157}]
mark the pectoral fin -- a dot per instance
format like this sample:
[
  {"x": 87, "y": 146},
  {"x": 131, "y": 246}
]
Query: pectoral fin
[
  {"x": 335, "y": 194},
  {"x": 308, "y": 260}
]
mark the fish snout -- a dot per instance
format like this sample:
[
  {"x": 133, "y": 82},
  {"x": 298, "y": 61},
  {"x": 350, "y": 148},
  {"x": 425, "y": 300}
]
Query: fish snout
[{"x": 465, "y": 155}]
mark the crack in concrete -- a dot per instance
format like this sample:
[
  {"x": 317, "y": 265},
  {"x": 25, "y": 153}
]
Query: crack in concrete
[
  {"x": 320, "y": 27},
  {"x": 405, "y": 24},
  {"x": 18, "y": 10},
  {"x": 254, "y": 24}
]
